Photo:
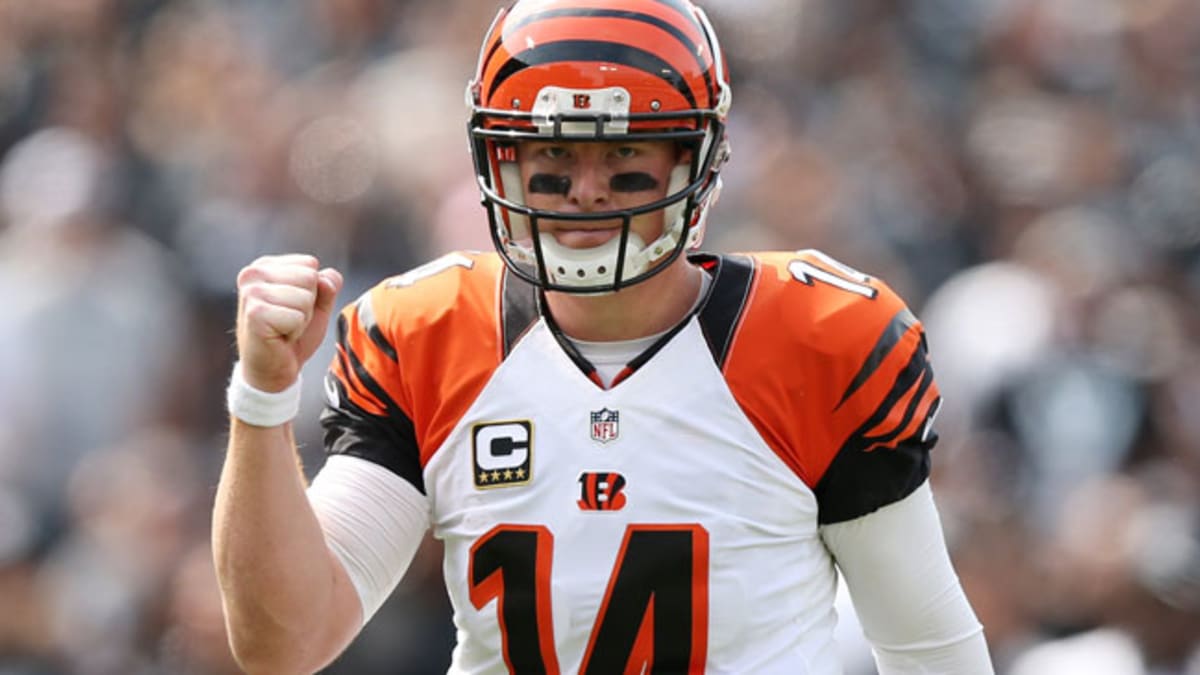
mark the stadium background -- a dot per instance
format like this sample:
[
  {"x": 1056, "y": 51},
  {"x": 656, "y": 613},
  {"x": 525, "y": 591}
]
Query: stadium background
[{"x": 1025, "y": 172}]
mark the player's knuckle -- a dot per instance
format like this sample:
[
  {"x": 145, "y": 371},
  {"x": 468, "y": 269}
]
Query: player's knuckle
[
  {"x": 261, "y": 310},
  {"x": 250, "y": 274},
  {"x": 307, "y": 278},
  {"x": 254, "y": 308},
  {"x": 255, "y": 291},
  {"x": 294, "y": 297}
]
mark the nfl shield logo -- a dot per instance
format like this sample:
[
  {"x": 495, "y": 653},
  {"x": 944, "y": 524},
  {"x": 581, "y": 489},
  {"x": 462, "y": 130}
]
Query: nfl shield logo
[{"x": 605, "y": 425}]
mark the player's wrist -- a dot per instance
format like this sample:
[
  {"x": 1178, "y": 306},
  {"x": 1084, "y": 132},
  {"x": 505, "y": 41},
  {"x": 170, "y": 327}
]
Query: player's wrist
[{"x": 259, "y": 407}]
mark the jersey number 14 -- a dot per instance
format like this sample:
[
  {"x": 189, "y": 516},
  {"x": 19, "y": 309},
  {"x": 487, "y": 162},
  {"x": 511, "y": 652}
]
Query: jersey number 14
[{"x": 654, "y": 616}]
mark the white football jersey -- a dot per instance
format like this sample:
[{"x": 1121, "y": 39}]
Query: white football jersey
[{"x": 668, "y": 523}]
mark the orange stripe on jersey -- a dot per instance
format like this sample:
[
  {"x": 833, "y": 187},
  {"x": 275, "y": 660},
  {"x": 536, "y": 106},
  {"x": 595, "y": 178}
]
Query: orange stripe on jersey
[
  {"x": 924, "y": 405},
  {"x": 890, "y": 425},
  {"x": 423, "y": 344},
  {"x": 825, "y": 361}
]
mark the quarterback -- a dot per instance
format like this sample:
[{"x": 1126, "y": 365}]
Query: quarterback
[{"x": 640, "y": 457}]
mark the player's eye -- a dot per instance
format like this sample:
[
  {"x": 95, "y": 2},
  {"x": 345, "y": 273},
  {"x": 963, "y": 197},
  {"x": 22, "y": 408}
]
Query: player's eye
[
  {"x": 625, "y": 152},
  {"x": 555, "y": 152}
]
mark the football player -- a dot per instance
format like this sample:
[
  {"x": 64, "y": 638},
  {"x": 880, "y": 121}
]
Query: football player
[{"x": 640, "y": 457}]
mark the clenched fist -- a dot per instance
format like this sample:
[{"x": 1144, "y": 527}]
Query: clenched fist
[{"x": 284, "y": 305}]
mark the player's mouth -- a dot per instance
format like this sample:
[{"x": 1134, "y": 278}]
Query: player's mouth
[{"x": 578, "y": 237}]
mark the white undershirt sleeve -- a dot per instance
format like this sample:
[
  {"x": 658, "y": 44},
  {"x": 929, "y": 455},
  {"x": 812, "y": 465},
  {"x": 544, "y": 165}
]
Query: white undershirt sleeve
[
  {"x": 373, "y": 521},
  {"x": 910, "y": 603}
]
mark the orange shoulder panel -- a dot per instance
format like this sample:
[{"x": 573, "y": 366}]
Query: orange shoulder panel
[
  {"x": 426, "y": 341},
  {"x": 825, "y": 357}
]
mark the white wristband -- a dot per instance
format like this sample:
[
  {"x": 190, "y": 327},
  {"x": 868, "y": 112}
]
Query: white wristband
[{"x": 261, "y": 408}]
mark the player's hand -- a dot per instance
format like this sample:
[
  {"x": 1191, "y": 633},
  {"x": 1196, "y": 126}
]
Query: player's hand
[{"x": 284, "y": 305}]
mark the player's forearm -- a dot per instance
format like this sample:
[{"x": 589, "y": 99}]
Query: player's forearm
[{"x": 278, "y": 580}]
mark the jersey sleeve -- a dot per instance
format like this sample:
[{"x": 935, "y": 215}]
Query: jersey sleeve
[
  {"x": 885, "y": 417},
  {"x": 833, "y": 369},
  {"x": 363, "y": 417},
  {"x": 412, "y": 354}
]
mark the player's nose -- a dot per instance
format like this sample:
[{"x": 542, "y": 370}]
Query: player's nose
[{"x": 590, "y": 190}]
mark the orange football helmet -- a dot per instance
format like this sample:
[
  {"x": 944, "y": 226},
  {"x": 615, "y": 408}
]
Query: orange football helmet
[{"x": 598, "y": 70}]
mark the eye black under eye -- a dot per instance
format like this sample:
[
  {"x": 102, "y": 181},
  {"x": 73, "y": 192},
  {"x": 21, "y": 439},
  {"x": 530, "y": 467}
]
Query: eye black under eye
[
  {"x": 634, "y": 181},
  {"x": 549, "y": 184}
]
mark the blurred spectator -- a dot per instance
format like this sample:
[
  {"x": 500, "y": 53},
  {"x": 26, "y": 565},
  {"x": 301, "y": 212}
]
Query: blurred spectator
[{"x": 94, "y": 323}]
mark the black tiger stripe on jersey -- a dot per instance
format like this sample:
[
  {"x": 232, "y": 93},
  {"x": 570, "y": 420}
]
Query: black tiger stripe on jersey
[
  {"x": 916, "y": 373},
  {"x": 666, "y": 26},
  {"x": 366, "y": 316},
  {"x": 862, "y": 478},
  {"x": 351, "y": 382},
  {"x": 593, "y": 51},
  {"x": 726, "y": 302},
  {"x": 342, "y": 354},
  {"x": 896, "y": 328},
  {"x": 518, "y": 310},
  {"x": 923, "y": 384},
  {"x": 360, "y": 371}
]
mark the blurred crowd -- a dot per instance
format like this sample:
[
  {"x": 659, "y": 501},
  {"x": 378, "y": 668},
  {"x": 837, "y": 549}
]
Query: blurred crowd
[{"x": 1026, "y": 173}]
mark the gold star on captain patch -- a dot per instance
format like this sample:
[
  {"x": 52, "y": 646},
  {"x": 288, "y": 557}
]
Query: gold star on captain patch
[
  {"x": 520, "y": 473},
  {"x": 508, "y": 474},
  {"x": 495, "y": 476},
  {"x": 483, "y": 476}
]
